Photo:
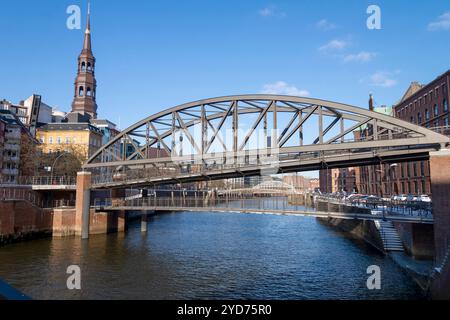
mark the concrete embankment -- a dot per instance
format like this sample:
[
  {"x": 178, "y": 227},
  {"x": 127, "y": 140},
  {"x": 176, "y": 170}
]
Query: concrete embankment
[
  {"x": 362, "y": 229},
  {"x": 418, "y": 270},
  {"x": 417, "y": 240}
]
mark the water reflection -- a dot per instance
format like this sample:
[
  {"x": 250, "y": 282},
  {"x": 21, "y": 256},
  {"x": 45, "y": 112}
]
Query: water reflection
[{"x": 207, "y": 256}]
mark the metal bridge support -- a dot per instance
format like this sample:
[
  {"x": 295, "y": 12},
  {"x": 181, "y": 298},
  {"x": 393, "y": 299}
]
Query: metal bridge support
[
  {"x": 82, "y": 208},
  {"x": 440, "y": 188}
]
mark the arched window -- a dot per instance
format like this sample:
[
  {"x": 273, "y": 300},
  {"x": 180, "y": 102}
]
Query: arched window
[
  {"x": 83, "y": 66},
  {"x": 81, "y": 91},
  {"x": 436, "y": 110},
  {"x": 427, "y": 115},
  {"x": 89, "y": 66},
  {"x": 88, "y": 91},
  {"x": 445, "y": 103},
  {"x": 419, "y": 118}
]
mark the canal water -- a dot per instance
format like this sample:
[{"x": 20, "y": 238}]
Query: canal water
[{"x": 207, "y": 256}]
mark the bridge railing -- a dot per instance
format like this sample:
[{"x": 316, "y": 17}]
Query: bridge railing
[
  {"x": 54, "y": 181},
  {"x": 273, "y": 203},
  {"x": 219, "y": 163},
  {"x": 30, "y": 196},
  {"x": 241, "y": 204}
]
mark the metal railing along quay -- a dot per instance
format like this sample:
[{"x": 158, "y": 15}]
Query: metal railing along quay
[
  {"x": 28, "y": 195},
  {"x": 53, "y": 181},
  {"x": 386, "y": 207}
]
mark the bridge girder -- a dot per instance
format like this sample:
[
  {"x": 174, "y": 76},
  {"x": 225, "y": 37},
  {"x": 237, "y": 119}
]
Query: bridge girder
[{"x": 231, "y": 130}]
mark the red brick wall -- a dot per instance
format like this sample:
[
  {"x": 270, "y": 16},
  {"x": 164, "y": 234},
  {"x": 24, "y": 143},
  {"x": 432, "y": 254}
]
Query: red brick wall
[
  {"x": 21, "y": 219},
  {"x": 440, "y": 178}
]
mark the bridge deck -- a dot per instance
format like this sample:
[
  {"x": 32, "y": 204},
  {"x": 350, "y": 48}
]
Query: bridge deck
[{"x": 305, "y": 213}]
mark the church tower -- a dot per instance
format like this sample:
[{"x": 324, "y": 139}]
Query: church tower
[{"x": 84, "y": 101}]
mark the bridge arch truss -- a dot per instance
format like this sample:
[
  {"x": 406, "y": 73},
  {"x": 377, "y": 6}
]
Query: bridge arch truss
[{"x": 252, "y": 135}]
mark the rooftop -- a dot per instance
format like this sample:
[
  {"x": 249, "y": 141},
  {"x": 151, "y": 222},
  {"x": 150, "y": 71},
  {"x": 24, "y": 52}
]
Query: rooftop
[{"x": 64, "y": 126}]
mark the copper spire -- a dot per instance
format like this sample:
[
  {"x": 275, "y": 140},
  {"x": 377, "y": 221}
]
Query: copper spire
[
  {"x": 85, "y": 84},
  {"x": 87, "y": 35}
]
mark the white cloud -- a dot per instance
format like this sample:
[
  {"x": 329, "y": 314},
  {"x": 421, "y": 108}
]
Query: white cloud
[
  {"x": 266, "y": 12},
  {"x": 442, "y": 23},
  {"x": 334, "y": 45},
  {"x": 362, "y": 56},
  {"x": 271, "y": 11},
  {"x": 325, "y": 25},
  {"x": 383, "y": 79},
  {"x": 283, "y": 88}
]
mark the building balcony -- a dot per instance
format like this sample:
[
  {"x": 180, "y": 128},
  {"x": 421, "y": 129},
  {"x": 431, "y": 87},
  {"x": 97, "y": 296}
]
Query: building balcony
[
  {"x": 12, "y": 135},
  {"x": 11, "y": 159},
  {"x": 11, "y": 172},
  {"x": 12, "y": 147}
]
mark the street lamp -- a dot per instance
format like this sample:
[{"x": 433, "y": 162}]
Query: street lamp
[{"x": 54, "y": 163}]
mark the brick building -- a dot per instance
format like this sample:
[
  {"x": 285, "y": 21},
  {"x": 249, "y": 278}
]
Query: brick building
[
  {"x": 424, "y": 105},
  {"x": 14, "y": 135},
  {"x": 338, "y": 180},
  {"x": 302, "y": 183},
  {"x": 374, "y": 179},
  {"x": 2, "y": 144}
]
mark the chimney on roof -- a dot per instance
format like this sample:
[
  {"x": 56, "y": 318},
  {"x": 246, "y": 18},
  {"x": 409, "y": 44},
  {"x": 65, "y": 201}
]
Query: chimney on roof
[{"x": 370, "y": 102}]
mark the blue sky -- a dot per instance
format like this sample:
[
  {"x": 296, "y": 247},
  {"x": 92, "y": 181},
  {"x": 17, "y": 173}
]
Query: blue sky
[{"x": 152, "y": 55}]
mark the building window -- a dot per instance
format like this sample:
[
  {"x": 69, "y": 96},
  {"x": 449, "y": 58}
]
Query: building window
[
  {"x": 446, "y": 121},
  {"x": 83, "y": 66},
  {"x": 74, "y": 140},
  {"x": 89, "y": 66},
  {"x": 412, "y": 119},
  {"x": 445, "y": 103},
  {"x": 419, "y": 118},
  {"x": 436, "y": 110},
  {"x": 42, "y": 140},
  {"x": 59, "y": 140},
  {"x": 427, "y": 115},
  {"x": 81, "y": 91},
  {"x": 50, "y": 140},
  {"x": 67, "y": 140},
  {"x": 88, "y": 92}
]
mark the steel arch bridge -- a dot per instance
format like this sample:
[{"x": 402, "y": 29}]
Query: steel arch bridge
[{"x": 250, "y": 135}]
